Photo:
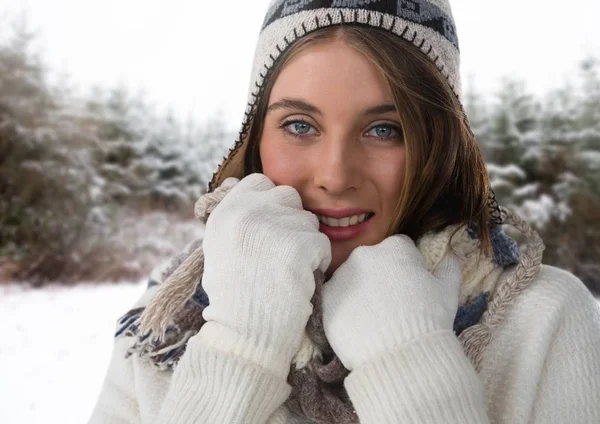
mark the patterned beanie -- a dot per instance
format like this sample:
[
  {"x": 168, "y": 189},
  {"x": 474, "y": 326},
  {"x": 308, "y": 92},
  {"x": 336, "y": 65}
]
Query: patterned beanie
[{"x": 428, "y": 24}]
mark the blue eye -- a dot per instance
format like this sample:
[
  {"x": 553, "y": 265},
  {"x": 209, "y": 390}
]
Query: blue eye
[
  {"x": 384, "y": 131},
  {"x": 298, "y": 128}
]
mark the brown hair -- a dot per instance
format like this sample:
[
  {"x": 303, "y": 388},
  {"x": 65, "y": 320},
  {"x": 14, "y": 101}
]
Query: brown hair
[{"x": 446, "y": 181}]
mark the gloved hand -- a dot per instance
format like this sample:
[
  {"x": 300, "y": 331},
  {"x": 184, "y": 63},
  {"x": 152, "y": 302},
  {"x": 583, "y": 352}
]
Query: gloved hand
[
  {"x": 261, "y": 250},
  {"x": 383, "y": 297}
]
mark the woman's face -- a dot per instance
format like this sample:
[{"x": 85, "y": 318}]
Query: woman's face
[{"x": 333, "y": 133}]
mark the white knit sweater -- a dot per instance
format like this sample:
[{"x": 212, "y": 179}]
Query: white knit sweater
[{"x": 541, "y": 366}]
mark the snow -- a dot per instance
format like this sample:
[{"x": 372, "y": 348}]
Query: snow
[
  {"x": 528, "y": 190},
  {"x": 507, "y": 171},
  {"x": 541, "y": 210},
  {"x": 55, "y": 348},
  {"x": 591, "y": 159}
]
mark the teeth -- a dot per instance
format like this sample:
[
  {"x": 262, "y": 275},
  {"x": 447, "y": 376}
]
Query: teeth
[{"x": 343, "y": 222}]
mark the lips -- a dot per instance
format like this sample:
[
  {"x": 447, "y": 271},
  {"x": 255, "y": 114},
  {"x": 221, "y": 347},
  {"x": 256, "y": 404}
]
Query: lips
[
  {"x": 345, "y": 233},
  {"x": 343, "y": 224},
  {"x": 339, "y": 213}
]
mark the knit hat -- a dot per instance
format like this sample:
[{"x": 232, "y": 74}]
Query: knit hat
[{"x": 428, "y": 24}]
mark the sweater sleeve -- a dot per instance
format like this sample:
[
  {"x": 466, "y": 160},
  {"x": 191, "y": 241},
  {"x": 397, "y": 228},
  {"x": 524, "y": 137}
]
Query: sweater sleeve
[
  {"x": 569, "y": 384},
  {"x": 117, "y": 402},
  {"x": 214, "y": 386},
  {"x": 542, "y": 364},
  {"x": 207, "y": 386},
  {"x": 428, "y": 380}
]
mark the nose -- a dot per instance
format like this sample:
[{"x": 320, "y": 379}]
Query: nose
[{"x": 336, "y": 170}]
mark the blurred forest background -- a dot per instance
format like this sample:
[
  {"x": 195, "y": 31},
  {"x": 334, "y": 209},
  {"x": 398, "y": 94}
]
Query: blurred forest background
[
  {"x": 96, "y": 187},
  {"x": 99, "y": 187}
]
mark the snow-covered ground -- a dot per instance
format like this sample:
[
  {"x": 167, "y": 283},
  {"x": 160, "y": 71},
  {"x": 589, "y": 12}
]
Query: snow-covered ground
[
  {"x": 55, "y": 342},
  {"x": 54, "y": 349}
]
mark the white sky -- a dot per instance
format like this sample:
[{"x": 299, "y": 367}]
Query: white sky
[{"x": 196, "y": 55}]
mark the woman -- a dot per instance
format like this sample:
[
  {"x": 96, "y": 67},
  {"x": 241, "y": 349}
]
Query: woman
[{"x": 353, "y": 267}]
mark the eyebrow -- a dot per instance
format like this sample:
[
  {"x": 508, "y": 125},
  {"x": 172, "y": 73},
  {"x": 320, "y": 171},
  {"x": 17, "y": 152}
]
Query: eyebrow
[
  {"x": 294, "y": 104},
  {"x": 380, "y": 110},
  {"x": 303, "y": 106}
]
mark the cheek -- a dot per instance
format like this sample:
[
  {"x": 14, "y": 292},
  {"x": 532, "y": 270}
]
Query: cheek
[
  {"x": 281, "y": 163},
  {"x": 390, "y": 179}
]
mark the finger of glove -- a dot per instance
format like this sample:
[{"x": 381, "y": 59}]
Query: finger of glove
[
  {"x": 229, "y": 183},
  {"x": 449, "y": 268},
  {"x": 347, "y": 300},
  {"x": 322, "y": 246},
  {"x": 398, "y": 248},
  {"x": 252, "y": 183},
  {"x": 448, "y": 272},
  {"x": 241, "y": 188},
  {"x": 286, "y": 196},
  {"x": 346, "y": 285},
  {"x": 302, "y": 227}
]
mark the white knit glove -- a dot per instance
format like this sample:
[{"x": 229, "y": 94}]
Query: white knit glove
[
  {"x": 383, "y": 297},
  {"x": 261, "y": 249}
]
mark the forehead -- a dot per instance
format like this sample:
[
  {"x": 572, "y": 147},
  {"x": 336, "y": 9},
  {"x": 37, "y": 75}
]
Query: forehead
[{"x": 332, "y": 73}]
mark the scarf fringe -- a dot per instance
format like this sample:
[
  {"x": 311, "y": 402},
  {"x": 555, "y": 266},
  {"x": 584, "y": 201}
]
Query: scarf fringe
[{"x": 183, "y": 283}]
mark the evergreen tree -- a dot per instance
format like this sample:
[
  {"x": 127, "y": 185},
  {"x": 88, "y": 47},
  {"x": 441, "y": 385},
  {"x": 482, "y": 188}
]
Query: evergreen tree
[
  {"x": 543, "y": 158},
  {"x": 73, "y": 169},
  {"x": 45, "y": 178}
]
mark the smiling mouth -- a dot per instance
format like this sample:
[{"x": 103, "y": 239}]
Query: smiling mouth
[{"x": 345, "y": 222}]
